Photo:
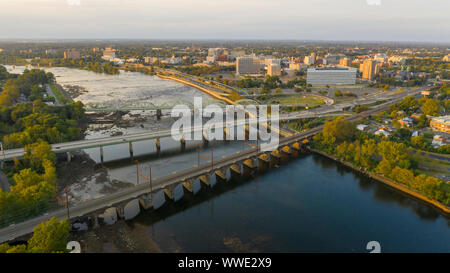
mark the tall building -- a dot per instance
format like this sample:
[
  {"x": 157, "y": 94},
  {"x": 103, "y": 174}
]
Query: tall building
[
  {"x": 309, "y": 60},
  {"x": 248, "y": 65},
  {"x": 331, "y": 75},
  {"x": 344, "y": 62},
  {"x": 274, "y": 69},
  {"x": 72, "y": 54},
  {"x": 369, "y": 70}
]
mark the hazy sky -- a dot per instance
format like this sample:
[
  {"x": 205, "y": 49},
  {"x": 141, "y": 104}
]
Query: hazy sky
[{"x": 392, "y": 20}]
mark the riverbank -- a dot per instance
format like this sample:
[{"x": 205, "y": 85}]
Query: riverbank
[{"x": 441, "y": 207}]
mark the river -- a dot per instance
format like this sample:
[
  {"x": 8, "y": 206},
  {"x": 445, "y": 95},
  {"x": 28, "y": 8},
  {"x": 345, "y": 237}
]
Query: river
[{"x": 311, "y": 204}]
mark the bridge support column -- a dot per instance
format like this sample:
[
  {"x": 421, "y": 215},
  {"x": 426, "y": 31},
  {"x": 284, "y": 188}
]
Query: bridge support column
[
  {"x": 285, "y": 154},
  {"x": 249, "y": 168},
  {"x": 205, "y": 179},
  {"x": 183, "y": 143},
  {"x": 130, "y": 144},
  {"x": 158, "y": 145},
  {"x": 264, "y": 162},
  {"x": 274, "y": 158},
  {"x": 158, "y": 114},
  {"x": 236, "y": 171},
  {"x": 295, "y": 149},
  {"x": 69, "y": 156},
  {"x": 101, "y": 154}
]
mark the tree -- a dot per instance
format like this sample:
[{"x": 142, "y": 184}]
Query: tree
[
  {"x": 431, "y": 107},
  {"x": 340, "y": 129},
  {"x": 48, "y": 237},
  {"x": 338, "y": 93},
  {"x": 419, "y": 142}
]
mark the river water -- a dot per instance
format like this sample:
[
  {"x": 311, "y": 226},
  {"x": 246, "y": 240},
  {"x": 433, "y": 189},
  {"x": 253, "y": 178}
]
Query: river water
[{"x": 311, "y": 204}]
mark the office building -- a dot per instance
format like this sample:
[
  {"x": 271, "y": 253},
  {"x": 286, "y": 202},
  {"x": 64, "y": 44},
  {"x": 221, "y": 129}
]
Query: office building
[
  {"x": 331, "y": 75},
  {"x": 248, "y": 65},
  {"x": 369, "y": 70}
]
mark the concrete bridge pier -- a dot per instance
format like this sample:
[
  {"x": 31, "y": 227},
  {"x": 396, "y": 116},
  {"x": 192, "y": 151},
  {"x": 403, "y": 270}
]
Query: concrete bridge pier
[
  {"x": 174, "y": 192},
  {"x": 183, "y": 143},
  {"x": 158, "y": 114},
  {"x": 220, "y": 176},
  {"x": 69, "y": 157},
  {"x": 295, "y": 148},
  {"x": 209, "y": 179},
  {"x": 101, "y": 154},
  {"x": 274, "y": 158},
  {"x": 285, "y": 154},
  {"x": 145, "y": 201},
  {"x": 158, "y": 146},
  {"x": 236, "y": 170},
  {"x": 264, "y": 162},
  {"x": 130, "y": 145},
  {"x": 188, "y": 185},
  {"x": 249, "y": 168}
]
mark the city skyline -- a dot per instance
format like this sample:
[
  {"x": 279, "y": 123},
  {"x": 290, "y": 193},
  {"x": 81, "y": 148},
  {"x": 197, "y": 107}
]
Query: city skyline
[{"x": 357, "y": 20}]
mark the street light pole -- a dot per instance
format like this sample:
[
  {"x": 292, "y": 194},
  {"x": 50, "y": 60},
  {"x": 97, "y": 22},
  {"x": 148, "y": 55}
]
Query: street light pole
[
  {"x": 212, "y": 159},
  {"x": 150, "y": 179}
]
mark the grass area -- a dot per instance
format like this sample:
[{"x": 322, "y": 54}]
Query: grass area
[
  {"x": 59, "y": 96},
  {"x": 300, "y": 100}
]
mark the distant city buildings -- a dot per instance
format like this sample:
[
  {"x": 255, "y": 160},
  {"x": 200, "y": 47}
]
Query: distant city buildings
[
  {"x": 344, "y": 62},
  {"x": 109, "y": 54},
  {"x": 331, "y": 75},
  {"x": 309, "y": 60},
  {"x": 72, "y": 54},
  {"x": 51, "y": 51},
  {"x": 298, "y": 66},
  {"x": 248, "y": 65},
  {"x": 441, "y": 124}
]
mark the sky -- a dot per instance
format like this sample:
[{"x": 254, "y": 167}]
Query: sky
[{"x": 346, "y": 20}]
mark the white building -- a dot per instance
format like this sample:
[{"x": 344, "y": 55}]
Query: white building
[{"x": 331, "y": 75}]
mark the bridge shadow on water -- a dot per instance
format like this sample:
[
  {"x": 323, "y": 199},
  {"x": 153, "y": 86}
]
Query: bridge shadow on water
[{"x": 381, "y": 193}]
